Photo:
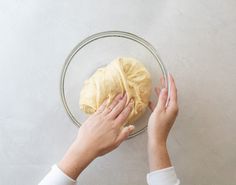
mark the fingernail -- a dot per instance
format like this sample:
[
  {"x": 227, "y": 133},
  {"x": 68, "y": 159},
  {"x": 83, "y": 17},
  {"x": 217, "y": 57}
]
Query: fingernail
[
  {"x": 131, "y": 101},
  {"x": 131, "y": 127}
]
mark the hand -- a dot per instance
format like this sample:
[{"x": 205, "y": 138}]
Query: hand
[
  {"x": 159, "y": 125},
  {"x": 101, "y": 133},
  {"x": 163, "y": 117}
]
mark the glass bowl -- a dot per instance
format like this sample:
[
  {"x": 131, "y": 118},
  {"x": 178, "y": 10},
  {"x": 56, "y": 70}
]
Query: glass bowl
[{"x": 98, "y": 50}]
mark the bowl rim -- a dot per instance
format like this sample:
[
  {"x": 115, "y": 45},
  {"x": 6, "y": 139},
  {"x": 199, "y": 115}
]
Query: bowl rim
[{"x": 101, "y": 35}]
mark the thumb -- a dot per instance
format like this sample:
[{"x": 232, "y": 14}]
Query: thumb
[{"x": 124, "y": 134}]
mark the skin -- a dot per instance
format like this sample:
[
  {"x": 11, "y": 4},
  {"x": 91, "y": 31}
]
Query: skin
[
  {"x": 103, "y": 131},
  {"x": 159, "y": 126}
]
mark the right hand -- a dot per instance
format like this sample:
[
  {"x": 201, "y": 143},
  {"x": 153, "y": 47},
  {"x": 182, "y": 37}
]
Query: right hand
[
  {"x": 101, "y": 133},
  {"x": 162, "y": 117}
]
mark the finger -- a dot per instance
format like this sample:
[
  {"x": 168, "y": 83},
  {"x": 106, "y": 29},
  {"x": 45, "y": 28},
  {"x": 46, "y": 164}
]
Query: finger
[
  {"x": 124, "y": 114},
  {"x": 162, "y": 99},
  {"x": 113, "y": 103},
  {"x": 151, "y": 105},
  {"x": 119, "y": 107},
  {"x": 102, "y": 107},
  {"x": 157, "y": 91},
  {"x": 162, "y": 80},
  {"x": 124, "y": 134},
  {"x": 173, "y": 91}
]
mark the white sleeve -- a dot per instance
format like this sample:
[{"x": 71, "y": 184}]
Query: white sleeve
[
  {"x": 57, "y": 177},
  {"x": 166, "y": 176}
]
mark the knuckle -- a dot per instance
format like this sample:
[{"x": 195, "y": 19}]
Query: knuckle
[
  {"x": 119, "y": 120},
  {"x": 125, "y": 113},
  {"x": 119, "y": 105},
  {"x": 175, "y": 110}
]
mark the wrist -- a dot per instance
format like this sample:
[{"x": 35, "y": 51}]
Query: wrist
[
  {"x": 156, "y": 143},
  {"x": 76, "y": 159},
  {"x": 158, "y": 156},
  {"x": 156, "y": 147},
  {"x": 84, "y": 149}
]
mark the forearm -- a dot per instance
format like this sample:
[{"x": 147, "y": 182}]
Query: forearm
[
  {"x": 75, "y": 160},
  {"x": 158, "y": 156}
]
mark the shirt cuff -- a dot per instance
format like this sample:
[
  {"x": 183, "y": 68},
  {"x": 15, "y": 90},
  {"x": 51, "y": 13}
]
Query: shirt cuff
[
  {"x": 57, "y": 177},
  {"x": 166, "y": 176}
]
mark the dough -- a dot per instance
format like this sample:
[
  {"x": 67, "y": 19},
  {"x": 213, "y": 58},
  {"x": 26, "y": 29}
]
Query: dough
[{"x": 121, "y": 75}]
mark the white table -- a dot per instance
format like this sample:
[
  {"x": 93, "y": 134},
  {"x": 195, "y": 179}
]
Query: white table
[{"x": 196, "y": 41}]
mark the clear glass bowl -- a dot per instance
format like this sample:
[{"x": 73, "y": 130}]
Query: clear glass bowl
[{"x": 98, "y": 50}]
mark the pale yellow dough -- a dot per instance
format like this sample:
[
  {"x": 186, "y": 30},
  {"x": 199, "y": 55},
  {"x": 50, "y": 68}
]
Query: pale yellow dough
[{"x": 121, "y": 75}]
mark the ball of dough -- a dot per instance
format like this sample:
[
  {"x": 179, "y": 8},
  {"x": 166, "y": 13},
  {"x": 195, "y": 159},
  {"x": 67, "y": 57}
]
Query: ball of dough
[{"x": 120, "y": 76}]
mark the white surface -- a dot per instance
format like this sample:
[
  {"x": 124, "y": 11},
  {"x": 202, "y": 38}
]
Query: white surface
[{"x": 195, "y": 39}]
